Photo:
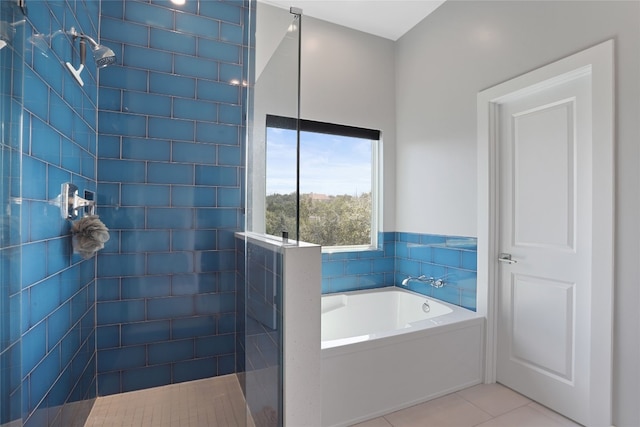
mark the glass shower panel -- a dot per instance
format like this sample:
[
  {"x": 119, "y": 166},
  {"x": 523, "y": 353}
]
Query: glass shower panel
[
  {"x": 263, "y": 378},
  {"x": 11, "y": 83},
  {"x": 275, "y": 92},
  {"x": 272, "y": 168}
]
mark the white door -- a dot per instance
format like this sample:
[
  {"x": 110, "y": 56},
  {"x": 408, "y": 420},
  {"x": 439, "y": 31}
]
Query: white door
[
  {"x": 545, "y": 228},
  {"x": 546, "y": 198}
]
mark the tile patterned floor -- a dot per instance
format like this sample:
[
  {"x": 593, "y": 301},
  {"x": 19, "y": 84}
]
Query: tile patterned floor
[
  {"x": 218, "y": 402},
  {"x": 484, "y": 405},
  {"x": 214, "y": 402}
]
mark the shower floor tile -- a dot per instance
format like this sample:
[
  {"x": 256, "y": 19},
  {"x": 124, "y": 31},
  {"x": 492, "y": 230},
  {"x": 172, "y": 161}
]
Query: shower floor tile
[
  {"x": 484, "y": 405},
  {"x": 210, "y": 402}
]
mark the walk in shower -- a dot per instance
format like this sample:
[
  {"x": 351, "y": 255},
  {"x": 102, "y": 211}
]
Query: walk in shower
[{"x": 158, "y": 138}]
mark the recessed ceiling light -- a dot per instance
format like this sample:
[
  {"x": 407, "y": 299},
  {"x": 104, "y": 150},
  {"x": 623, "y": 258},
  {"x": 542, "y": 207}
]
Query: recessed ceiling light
[{"x": 178, "y": 2}]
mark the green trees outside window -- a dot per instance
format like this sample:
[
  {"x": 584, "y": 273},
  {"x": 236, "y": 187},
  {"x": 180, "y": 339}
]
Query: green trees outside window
[{"x": 338, "y": 182}]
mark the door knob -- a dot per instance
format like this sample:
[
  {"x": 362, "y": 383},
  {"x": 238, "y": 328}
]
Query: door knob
[{"x": 506, "y": 258}]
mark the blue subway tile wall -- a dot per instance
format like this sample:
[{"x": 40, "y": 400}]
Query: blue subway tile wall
[
  {"x": 55, "y": 290},
  {"x": 351, "y": 271},
  {"x": 169, "y": 177},
  {"x": 450, "y": 258}
]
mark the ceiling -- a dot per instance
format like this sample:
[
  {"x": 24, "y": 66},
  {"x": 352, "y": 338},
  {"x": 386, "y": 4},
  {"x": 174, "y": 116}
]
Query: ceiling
[{"x": 385, "y": 18}]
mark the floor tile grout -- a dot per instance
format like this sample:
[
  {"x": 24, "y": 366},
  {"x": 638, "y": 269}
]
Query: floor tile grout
[
  {"x": 517, "y": 408},
  {"x": 210, "y": 402}
]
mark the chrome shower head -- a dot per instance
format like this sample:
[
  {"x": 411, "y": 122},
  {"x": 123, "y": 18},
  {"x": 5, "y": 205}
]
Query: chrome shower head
[{"x": 101, "y": 54}]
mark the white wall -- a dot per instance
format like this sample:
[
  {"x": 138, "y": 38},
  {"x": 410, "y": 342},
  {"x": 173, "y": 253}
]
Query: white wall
[
  {"x": 348, "y": 78},
  {"x": 465, "y": 47},
  {"x": 272, "y": 24}
]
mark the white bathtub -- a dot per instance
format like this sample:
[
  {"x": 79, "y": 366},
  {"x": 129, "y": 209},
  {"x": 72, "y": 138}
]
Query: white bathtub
[{"x": 381, "y": 351}]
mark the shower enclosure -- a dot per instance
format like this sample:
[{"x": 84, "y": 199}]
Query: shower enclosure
[
  {"x": 280, "y": 276},
  {"x": 157, "y": 305}
]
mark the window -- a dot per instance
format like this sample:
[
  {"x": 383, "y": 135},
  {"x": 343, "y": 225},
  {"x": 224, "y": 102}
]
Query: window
[{"x": 338, "y": 182}]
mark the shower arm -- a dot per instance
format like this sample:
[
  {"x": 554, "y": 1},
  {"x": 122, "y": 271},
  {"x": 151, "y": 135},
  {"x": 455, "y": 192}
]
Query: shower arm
[
  {"x": 75, "y": 34},
  {"x": 102, "y": 55}
]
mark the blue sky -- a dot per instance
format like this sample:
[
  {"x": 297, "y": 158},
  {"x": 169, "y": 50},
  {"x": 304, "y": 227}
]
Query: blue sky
[{"x": 329, "y": 164}]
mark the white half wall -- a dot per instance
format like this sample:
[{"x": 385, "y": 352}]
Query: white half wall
[
  {"x": 467, "y": 46},
  {"x": 302, "y": 274}
]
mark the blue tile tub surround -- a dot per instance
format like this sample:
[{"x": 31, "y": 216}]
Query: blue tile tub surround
[
  {"x": 452, "y": 258},
  {"x": 57, "y": 376},
  {"x": 350, "y": 271},
  {"x": 169, "y": 172}
]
